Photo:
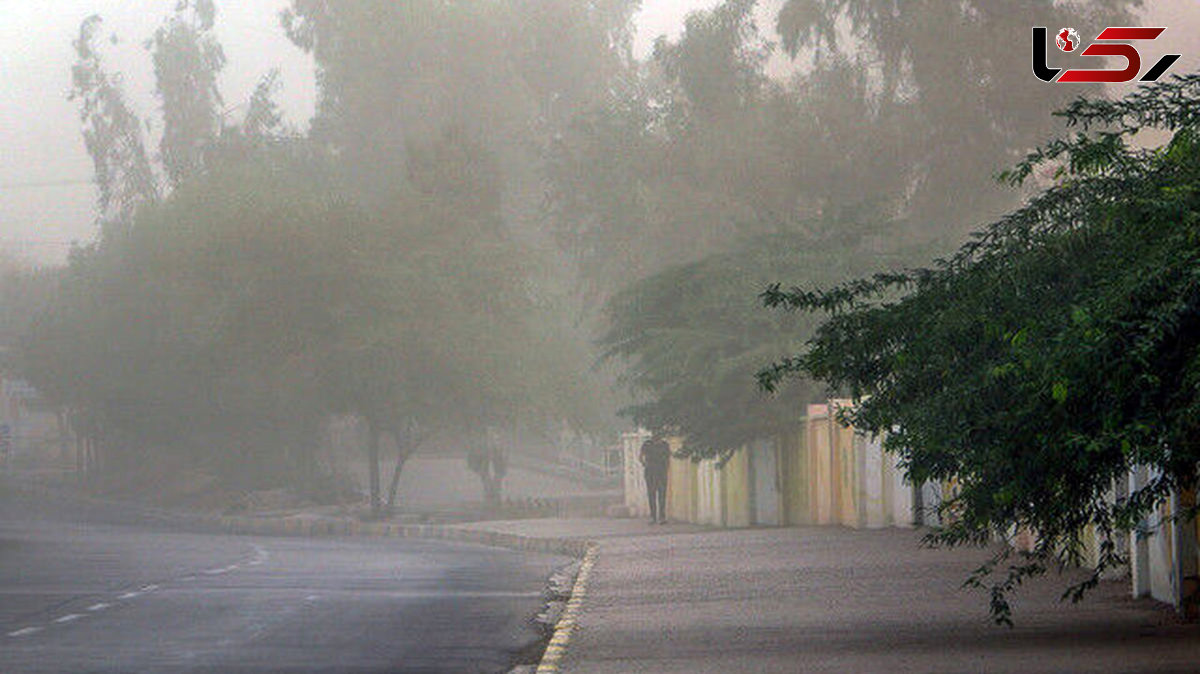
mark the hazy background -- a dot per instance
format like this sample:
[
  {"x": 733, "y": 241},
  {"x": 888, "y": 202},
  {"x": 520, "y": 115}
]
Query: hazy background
[
  {"x": 46, "y": 198},
  {"x": 566, "y": 232}
]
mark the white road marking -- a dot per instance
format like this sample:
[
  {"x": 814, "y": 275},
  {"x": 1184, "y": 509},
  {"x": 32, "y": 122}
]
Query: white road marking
[
  {"x": 311, "y": 597},
  {"x": 260, "y": 556}
]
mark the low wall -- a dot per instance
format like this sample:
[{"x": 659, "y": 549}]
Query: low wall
[{"x": 822, "y": 473}]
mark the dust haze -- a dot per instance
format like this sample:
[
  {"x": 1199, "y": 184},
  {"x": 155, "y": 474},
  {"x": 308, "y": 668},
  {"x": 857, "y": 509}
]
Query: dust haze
[{"x": 429, "y": 260}]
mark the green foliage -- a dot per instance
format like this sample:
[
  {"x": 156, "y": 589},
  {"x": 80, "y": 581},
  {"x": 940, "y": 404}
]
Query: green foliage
[
  {"x": 692, "y": 335},
  {"x": 1053, "y": 353},
  {"x": 194, "y": 331},
  {"x": 25, "y": 292},
  {"x": 277, "y": 283},
  {"x": 507, "y": 75},
  {"x": 702, "y": 182}
]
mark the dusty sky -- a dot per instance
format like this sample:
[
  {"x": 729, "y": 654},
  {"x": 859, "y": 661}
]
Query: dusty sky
[{"x": 46, "y": 200}]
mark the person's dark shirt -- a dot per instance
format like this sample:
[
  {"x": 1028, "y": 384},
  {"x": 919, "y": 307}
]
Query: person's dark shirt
[{"x": 655, "y": 455}]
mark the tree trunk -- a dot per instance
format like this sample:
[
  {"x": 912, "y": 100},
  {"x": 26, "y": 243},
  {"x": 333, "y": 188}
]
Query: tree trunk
[
  {"x": 491, "y": 490},
  {"x": 1188, "y": 579},
  {"x": 302, "y": 455},
  {"x": 403, "y": 451},
  {"x": 373, "y": 465},
  {"x": 80, "y": 455},
  {"x": 64, "y": 445}
]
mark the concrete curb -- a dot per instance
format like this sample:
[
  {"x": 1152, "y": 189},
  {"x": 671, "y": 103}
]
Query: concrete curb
[
  {"x": 557, "y": 648},
  {"x": 310, "y": 526}
]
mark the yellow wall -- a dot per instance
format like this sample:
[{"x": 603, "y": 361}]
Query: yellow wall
[
  {"x": 847, "y": 475},
  {"x": 795, "y": 486},
  {"x": 823, "y": 471},
  {"x": 735, "y": 497},
  {"x": 681, "y": 487},
  {"x": 702, "y": 493},
  {"x": 820, "y": 458}
]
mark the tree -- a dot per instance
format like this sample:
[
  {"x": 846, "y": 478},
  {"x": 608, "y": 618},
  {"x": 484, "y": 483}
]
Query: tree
[
  {"x": 187, "y": 60},
  {"x": 280, "y": 280},
  {"x": 117, "y": 346},
  {"x": 704, "y": 188},
  {"x": 505, "y": 72},
  {"x": 964, "y": 66},
  {"x": 1050, "y": 355},
  {"x": 691, "y": 337},
  {"x": 702, "y": 149},
  {"x": 112, "y": 133},
  {"x": 409, "y": 94},
  {"x": 195, "y": 333}
]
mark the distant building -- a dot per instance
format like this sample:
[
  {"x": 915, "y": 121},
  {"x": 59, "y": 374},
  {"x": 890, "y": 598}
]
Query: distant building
[{"x": 32, "y": 434}]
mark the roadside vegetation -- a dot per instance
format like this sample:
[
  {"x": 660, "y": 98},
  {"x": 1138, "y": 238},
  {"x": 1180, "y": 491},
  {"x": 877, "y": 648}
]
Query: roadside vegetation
[{"x": 502, "y": 223}]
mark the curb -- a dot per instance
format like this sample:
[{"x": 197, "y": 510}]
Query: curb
[
  {"x": 557, "y": 647},
  {"x": 307, "y": 526}
]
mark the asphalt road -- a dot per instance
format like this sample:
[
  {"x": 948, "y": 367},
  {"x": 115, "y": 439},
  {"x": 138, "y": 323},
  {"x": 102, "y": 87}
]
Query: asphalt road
[{"x": 89, "y": 596}]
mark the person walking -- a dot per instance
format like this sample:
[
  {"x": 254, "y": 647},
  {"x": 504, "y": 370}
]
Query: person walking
[{"x": 655, "y": 457}]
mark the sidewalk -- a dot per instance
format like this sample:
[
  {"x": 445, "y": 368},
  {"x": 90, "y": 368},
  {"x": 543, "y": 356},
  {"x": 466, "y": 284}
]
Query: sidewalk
[{"x": 685, "y": 599}]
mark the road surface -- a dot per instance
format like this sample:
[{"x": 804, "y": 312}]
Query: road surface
[{"x": 80, "y": 596}]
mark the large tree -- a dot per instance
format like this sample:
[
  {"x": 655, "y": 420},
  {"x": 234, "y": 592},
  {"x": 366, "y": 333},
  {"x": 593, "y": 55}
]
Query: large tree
[
  {"x": 375, "y": 271},
  {"x": 877, "y": 151},
  {"x": 723, "y": 178},
  {"x": 1052, "y": 354},
  {"x": 690, "y": 337},
  {"x": 508, "y": 76},
  {"x": 965, "y": 67},
  {"x": 192, "y": 333}
]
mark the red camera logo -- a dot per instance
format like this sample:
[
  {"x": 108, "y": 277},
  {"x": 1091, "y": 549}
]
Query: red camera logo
[{"x": 1110, "y": 42}]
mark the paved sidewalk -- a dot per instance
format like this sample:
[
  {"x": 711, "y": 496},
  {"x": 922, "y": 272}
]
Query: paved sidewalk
[{"x": 685, "y": 599}]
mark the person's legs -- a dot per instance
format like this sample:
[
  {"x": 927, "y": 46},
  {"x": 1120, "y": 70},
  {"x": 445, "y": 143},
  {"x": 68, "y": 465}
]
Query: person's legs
[
  {"x": 651, "y": 488},
  {"x": 662, "y": 499},
  {"x": 657, "y": 484}
]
